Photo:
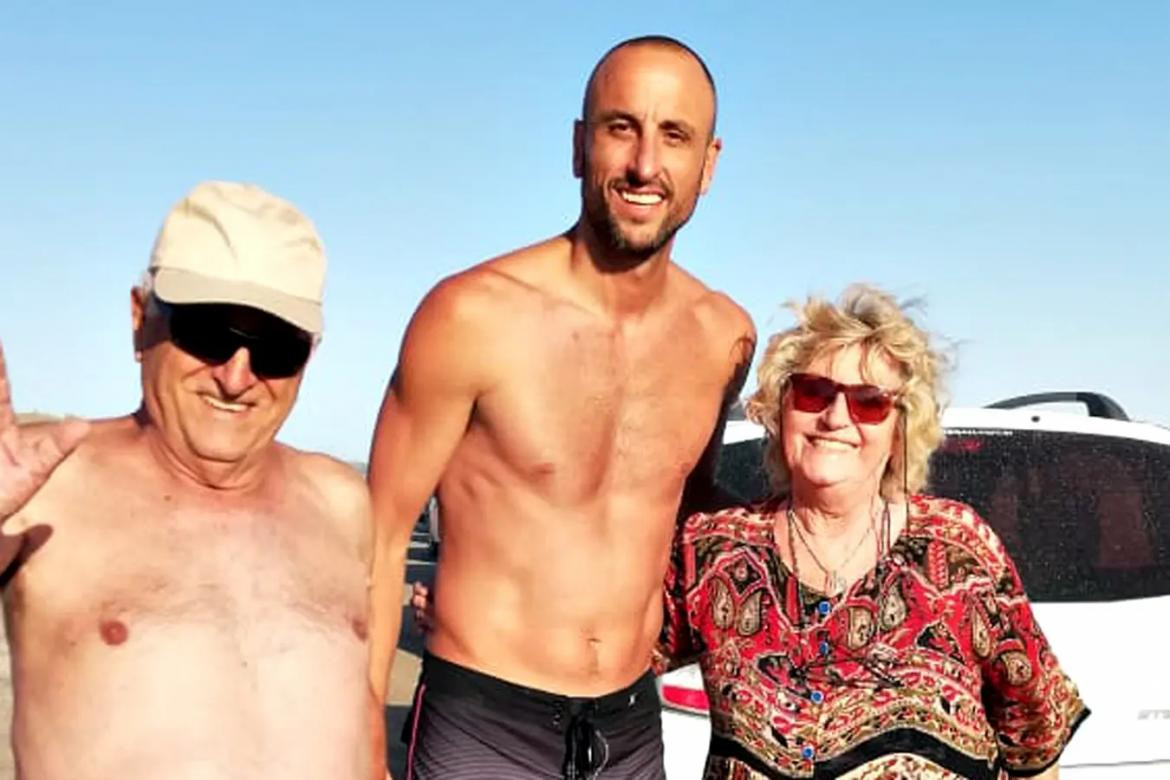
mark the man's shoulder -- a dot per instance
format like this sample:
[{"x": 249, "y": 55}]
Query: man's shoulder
[
  {"x": 727, "y": 317},
  {"x": 333, "y": 491},
  {"x": 718, "y": 312},
  {"x": 499, "y": 282},
  {"x": 461, "y": 324},
  {"x": 725, "y": 327},
  {"x": 336, "y": 477}
]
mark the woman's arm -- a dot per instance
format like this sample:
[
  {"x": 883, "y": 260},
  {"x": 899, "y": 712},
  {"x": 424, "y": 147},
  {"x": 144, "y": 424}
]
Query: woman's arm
[
  {"x": 1031, "y": 703},
  {"x": 676, "y": 643}
]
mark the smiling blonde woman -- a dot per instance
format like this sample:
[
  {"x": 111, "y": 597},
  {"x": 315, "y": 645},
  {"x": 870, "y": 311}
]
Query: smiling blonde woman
[{"x": 851, "y": 626}]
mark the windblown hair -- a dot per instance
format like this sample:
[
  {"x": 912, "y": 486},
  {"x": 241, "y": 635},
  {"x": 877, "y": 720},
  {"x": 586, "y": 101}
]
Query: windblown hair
[{"x": 874, "y": 321}]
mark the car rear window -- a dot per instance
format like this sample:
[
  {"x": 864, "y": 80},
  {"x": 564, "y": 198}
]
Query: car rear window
[
  {"x": 1086, "y": 518},
  {"x": 741, "y": 470}
]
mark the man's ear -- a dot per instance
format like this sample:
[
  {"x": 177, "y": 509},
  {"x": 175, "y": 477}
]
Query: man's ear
[
  {"x": 711, "y": 157},
  {"x": 138, "y": 303},
  {"x": 578, "y": 148}
]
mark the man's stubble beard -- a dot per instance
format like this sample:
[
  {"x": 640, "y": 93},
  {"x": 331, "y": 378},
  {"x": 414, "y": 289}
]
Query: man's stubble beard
[{"x": 620, "y": 252}]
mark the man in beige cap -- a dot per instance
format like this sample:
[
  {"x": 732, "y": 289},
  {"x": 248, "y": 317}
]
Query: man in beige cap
[{"x": 186, "y": 598}]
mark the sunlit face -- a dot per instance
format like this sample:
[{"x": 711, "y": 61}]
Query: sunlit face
[
  {"x": 219, "y": 413},
  {"x": 827, "y": 450},
  {"x": 645, "y": 151}
]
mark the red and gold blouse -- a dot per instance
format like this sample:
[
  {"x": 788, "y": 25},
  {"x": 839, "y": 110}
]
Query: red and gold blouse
[{"x": 931, "y": 666}]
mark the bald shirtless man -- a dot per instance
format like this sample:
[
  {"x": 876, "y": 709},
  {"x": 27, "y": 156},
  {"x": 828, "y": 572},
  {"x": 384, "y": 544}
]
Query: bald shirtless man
[
  {"x": 560, "y": 397},
  {"x": 186, "y": 598}
]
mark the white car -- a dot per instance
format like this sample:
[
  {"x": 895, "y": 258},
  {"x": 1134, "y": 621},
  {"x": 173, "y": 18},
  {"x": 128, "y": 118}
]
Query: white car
[{"x": 1083, "y": 505}]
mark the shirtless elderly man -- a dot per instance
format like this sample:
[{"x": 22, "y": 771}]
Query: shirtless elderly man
[
  {"x": 560, "y": 396},
  {"x": 185, "y": 597}
]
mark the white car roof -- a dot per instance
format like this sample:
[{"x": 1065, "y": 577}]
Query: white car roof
[
  {"x": 963, "y": 419},
  {"x": 1034, "y": 419},
  {"x": 741, "y": 430}
]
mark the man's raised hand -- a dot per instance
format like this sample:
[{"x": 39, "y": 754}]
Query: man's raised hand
[{"x": 29, "y": 455}]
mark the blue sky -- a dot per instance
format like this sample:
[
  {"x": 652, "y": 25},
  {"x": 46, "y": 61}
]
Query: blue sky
[{"x": 1009, "y": 162}]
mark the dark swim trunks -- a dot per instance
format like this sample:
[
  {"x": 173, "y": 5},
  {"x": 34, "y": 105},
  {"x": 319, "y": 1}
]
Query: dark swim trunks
[{"x": 464, "y": 724}]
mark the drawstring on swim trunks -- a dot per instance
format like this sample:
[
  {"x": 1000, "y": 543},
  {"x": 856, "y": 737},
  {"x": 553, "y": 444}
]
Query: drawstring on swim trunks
[{"x": 586, "y": 750}]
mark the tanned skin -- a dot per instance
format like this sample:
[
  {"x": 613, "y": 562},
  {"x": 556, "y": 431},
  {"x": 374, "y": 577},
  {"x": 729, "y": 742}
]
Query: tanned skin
[
  {"x": 185, "y": 598},
  {"x": 562, "y": 398}
]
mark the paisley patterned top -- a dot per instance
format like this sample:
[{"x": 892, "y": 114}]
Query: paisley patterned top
[{"x": 930, "y": 666}]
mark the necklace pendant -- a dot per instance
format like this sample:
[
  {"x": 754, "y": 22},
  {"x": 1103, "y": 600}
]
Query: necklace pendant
[{"x": 836, "y": 584}]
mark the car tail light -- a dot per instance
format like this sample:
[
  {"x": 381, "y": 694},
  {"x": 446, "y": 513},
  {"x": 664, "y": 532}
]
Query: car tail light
[
  {"x": 682, "y": 689},
  {"x": 684, "y": 698},
  {"x": 962, "y": 444}
]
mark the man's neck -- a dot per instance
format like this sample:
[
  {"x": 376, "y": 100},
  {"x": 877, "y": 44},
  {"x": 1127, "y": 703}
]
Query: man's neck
[
  {"x": 218, "y": 477},
  {"x": 618, "y": 285}
]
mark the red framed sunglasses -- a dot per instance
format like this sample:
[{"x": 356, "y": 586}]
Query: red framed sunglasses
[{"x": 868, "y": 404}]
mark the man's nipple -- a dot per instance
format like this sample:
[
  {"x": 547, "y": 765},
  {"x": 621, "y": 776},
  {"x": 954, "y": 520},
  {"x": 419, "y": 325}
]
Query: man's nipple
[
  {"x": 360, "y": 628},
  {"x": 114, "y": 632}
]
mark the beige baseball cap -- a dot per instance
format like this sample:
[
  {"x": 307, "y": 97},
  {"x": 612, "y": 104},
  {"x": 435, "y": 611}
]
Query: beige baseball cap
[{"x": 227, "y": 242}]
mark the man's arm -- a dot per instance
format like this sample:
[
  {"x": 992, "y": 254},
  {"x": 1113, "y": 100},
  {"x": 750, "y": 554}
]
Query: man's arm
[
  {"x": 702, "y": 493},
  {"x": 423, "y": 417},
  {"x": 347, "y": 500}
]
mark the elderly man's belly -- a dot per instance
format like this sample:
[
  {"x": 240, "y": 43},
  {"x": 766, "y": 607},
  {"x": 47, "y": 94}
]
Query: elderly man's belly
[{"x": 285, "y": 700}]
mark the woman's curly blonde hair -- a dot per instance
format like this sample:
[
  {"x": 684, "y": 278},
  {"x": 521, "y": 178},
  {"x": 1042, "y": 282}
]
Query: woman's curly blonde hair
[{"x": 872, "y": 319}]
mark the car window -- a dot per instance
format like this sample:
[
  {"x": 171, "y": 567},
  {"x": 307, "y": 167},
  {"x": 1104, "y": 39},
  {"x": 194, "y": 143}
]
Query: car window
[
  {"x": 741, "y": 470},
  {"x": 1086, "y": 518}
]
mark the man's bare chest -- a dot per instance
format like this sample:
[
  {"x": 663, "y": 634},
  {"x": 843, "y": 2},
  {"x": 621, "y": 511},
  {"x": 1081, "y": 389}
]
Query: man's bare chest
[
  {"x": 600, "y": 409},
  {"x": 118, "y": 577}
]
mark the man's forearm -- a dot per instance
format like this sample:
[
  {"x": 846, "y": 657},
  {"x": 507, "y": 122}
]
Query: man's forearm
[
  {"x": 385, "y": 621},
  {"x": 377, "y": 728}
]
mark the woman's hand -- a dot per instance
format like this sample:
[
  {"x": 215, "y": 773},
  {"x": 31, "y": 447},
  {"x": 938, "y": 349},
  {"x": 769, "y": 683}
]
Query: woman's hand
[{"x": 423, "y": 603}]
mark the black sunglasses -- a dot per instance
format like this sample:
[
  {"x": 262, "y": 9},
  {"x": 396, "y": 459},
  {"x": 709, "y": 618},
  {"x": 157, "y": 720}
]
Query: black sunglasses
[{"x": 214, "y": 332}]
